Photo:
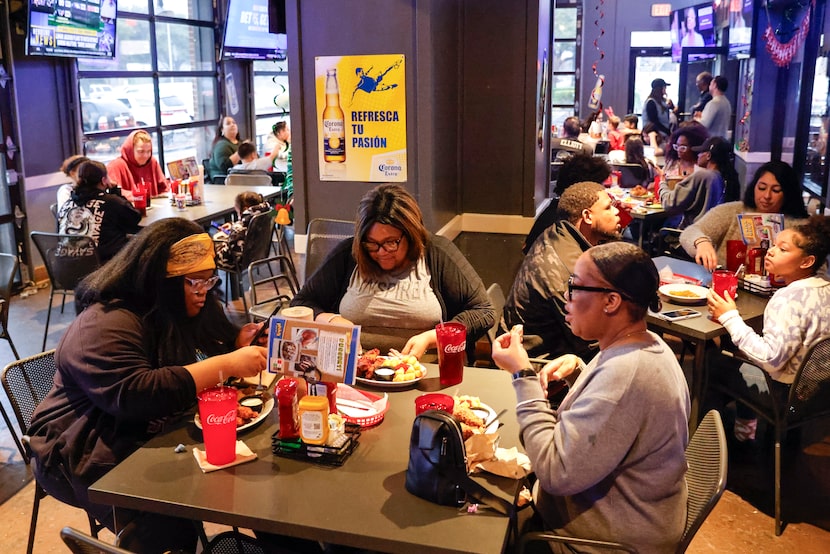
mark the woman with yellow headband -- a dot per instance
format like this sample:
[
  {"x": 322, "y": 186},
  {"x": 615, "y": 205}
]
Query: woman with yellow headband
[{"x": 150, "y": 337}]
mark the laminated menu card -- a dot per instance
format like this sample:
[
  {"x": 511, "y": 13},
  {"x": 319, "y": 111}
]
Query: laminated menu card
[
  {"x": 314, "y": 351},
  {"x": 756, "y": 227}
]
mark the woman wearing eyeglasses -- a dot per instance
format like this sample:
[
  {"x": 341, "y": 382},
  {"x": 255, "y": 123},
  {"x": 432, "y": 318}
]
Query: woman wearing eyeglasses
[
  {"x": 396, "y": 279},
  {"x": 609, "y": 457},
  {"x": 681, "y": 160},
  {"x": 150, "y": 337}
]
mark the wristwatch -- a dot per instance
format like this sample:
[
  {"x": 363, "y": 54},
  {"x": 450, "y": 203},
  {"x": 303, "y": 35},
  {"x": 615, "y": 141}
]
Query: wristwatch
[{"x": 527, "y": 372}]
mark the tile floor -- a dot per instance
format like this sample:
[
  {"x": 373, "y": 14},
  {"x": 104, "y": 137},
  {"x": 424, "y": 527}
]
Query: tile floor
[{"x": 741, "y": 522}]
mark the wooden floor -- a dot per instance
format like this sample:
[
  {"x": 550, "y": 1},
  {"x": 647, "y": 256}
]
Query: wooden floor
[{"x": 741, "y": 522}]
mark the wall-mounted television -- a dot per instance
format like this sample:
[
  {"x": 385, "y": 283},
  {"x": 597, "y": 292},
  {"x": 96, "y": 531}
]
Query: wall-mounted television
[
  {"x": 741, "y": 26},
  {"x": 692, "y": 27},
  {"x": 247, "y": 35},
  {"x": 75, "y": 29}
]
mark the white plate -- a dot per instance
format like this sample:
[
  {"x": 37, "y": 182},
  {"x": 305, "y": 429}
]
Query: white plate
[
  {"x": 669, "y": 291},
  {"x": 266, "y": 409},
  {"x": 494, "y": 426},
  {"x": 391, "y": 384}
]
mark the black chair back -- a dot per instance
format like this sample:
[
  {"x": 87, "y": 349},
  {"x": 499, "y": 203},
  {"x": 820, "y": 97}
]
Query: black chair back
[
  {"x": 323, "y": 236},
  {"x": 68, "y": 258}
]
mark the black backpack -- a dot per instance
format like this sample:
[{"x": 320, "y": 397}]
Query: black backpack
[
  {"x": 438, "y": 465},
  {"x": 437, "y": 459}
]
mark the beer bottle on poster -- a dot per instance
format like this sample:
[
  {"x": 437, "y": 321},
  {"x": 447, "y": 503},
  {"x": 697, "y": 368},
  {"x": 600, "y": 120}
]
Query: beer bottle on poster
[{"x": 334, "y": 124}]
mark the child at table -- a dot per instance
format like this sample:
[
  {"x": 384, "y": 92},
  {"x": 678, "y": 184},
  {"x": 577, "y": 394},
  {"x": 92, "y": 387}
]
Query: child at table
[
  {"x": 796, "y": 316},
  {"x": 230, "y": 239}
]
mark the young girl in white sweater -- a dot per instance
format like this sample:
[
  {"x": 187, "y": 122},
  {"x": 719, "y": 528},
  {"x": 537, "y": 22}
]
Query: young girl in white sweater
[{"x": 796, "y": 316}]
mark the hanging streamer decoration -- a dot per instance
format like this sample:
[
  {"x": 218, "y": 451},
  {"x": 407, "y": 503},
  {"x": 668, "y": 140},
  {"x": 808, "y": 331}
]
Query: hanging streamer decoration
[
  {"x": 596, "y": 94},
  {"x": 787, "y": 27},
  {"x": 746, "y": 99}
]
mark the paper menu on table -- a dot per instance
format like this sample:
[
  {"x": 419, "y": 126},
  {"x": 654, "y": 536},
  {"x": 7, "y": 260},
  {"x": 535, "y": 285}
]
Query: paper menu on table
[
  {"x": 756, "y": 227},
  {"x": 314, "y": 351}
]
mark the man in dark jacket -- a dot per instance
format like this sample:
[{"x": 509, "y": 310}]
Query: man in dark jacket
[{"x": 536, "y": 300}]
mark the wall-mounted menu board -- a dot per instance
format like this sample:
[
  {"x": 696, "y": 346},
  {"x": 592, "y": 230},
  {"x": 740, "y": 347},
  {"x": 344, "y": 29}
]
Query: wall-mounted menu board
[{"x": 72, "y": 28}]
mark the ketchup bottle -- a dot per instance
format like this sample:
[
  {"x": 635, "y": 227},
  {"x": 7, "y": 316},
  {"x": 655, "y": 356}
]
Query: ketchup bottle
[{"x": 287, "y": 402}]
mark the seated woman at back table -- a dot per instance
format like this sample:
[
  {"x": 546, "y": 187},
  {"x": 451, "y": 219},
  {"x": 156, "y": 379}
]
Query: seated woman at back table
[
  {"x": 70, "y": 168},
  {"x": 714, "y": 183},
  {"x": 635, "y": 154},
  {"x": 150, "y": 337},
  {"x": 680, "y": 159},
  {"x": 610, "y": 455},
  {"x": 774, "y": 189},
  {"x": 397, "y": 280},
  {"x": 137, "y": 168},
  {"x": 92, "y": 211},
  {"x": 795, "y": 316},
  {"x": 224, "y": 154}
]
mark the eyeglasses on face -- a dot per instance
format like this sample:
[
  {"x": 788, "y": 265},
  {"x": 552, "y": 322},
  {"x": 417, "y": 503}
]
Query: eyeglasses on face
[
  {"x": 680, "y": 147},
  {"x": 573, "y": 286},
  {"x": 388, "y": 245},
  {"x": 202, "y": 285}
]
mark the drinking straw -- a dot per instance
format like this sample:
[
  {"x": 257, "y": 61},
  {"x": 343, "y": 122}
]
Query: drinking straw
[{"x": 738, "y": 271}]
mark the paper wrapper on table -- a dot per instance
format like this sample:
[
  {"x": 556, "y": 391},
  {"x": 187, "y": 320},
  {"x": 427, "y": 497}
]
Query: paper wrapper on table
[
  {"x": 667, "y": 277},
  {"x": 243, "y": 454},
  {"x": 484, "y": 455}
]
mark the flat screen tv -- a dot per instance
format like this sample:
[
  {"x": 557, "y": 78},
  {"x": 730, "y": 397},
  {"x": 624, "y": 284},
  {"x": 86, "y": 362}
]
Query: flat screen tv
[
  {"x": 247, "y": 35},
  {"x": 74, "y": 29},
  {"x": 741, "y": 25},
  {"x": 692, "y": 27}
]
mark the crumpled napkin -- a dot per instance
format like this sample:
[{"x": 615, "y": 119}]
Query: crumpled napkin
[
  {"x": 484, "y": 455},
  {"x": 243, "y": 454}
]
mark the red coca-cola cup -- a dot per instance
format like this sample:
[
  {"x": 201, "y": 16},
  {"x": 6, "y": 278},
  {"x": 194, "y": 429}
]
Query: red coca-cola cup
[
  {"x": 452, "y": 351},
  {"x": 735, "y": 254},
  {"x": 725, "y": 282},
  {"x": 217, "y": 413},
  {"x": 140, "y": 202}
]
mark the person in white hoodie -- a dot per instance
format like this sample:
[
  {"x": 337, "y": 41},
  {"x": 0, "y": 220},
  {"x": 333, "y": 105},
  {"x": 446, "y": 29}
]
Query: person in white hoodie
[{"x": 795, "y": 316}]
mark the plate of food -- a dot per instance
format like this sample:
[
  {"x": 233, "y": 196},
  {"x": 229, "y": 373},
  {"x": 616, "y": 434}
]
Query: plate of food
[
  {"x": 640, "y": 192},
  {"x": 475, "y": 416},
  {"x": 393, "y": 371},
  {"x": 681, "y": 293},
  {"x": 250, "y": 410}
]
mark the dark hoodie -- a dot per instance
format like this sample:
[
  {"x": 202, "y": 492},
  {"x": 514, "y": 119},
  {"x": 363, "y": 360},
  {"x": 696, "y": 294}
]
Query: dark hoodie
[{"x": 126, "y": 172}]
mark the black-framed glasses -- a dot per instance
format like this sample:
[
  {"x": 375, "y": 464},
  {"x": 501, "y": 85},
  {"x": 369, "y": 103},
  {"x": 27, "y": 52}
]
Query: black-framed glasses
[
  {"x": 573, "y": 286},
  {"x": 390, "y": 245},
  {"x": 202, "y": 285}
]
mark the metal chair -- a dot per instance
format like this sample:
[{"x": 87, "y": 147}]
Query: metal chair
[
  {"x": 256, "y": 247},
  {"x": 8, "y": 269},
  {"x": 323, "y": 236},
  {"x": 266, "y": 293},
  {"x": 68, "y": 259},
  {"x": 808, "y": 399},
  {"x": 252, "y": 178},
  {"x": 706, "y": 457},
  {"x": 27, "y": 382},
  {"x": 81, "y": 543}
]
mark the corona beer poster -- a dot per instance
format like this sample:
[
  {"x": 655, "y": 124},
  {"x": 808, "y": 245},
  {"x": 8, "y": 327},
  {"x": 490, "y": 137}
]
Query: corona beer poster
[{"x": 361, "y": 117}]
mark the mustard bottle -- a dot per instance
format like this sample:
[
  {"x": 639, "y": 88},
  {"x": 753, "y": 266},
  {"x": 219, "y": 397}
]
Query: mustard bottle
[{"x": 314, "y": 419}]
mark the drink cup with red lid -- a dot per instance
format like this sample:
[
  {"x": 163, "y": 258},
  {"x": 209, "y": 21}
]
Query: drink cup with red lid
[
  {"x": 217, "y": 412},
  {"x": 452, "y": 352}
]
